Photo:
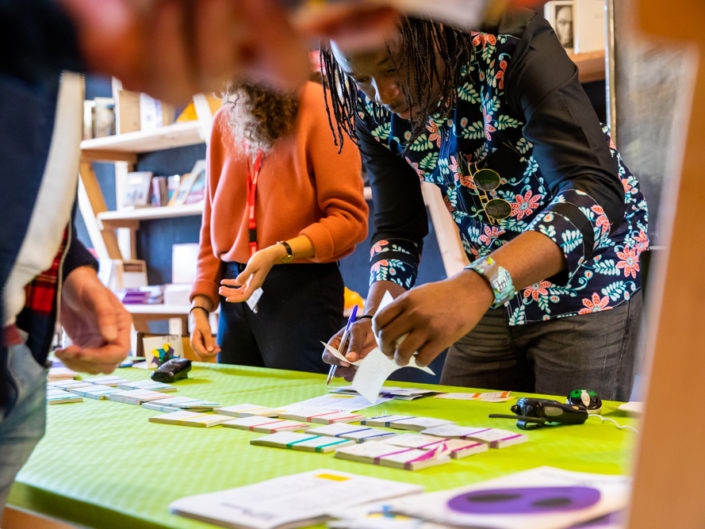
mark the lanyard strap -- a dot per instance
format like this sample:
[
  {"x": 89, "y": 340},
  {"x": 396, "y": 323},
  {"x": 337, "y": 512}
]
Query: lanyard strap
[{"x": 252, "y": 177}]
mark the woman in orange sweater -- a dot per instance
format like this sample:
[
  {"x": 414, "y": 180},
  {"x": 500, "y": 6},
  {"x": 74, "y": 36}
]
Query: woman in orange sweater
[{"x": 282, "y": 206}]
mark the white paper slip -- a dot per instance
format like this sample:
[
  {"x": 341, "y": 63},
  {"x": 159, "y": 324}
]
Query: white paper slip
[
  {"x": 385, "y": 454},
  {"x": 497, "y": 438},
  {"x": 350, "y": 431},
  {"x": 159, "y": 407},
  {"x": 264, "y": 424},
  {"x": 453, "y": 431},
  {"x": 455, "y": 448},
  {"x": 385, "y": 420},
  {"x": 320, "y": 416},
  {"x": 68, "y": 384},
  {"x": 540, "y": 498},
  {"x": 94, "y": 391},
  {"x": 254, "y": 298},
  {"x": 189, "y": 403},
  {"x": 108, "y": 380},
  {"x": 492, "y": 396},
  {"x": 494, "y": 437},
  {"x": 205, "y": 420},
  {"x": 288, "y": 501},
  {"x": 150, "y": 385},
  {"x": 418, "y": 423},
  {"x": 59, "y": 396},
  {"x": 389, "y": 391},
  {"x": 61, "y": 373},
  {"x": 175, "y": 417},
  {"x": 336, "y": 402},
  {"x": 136, "y": 396},
  {"x": 375, "y": 369},
  {"x": 247, "y": 410},
  {"x": 302, "y": 441},
  {"x": 633, "y": 408}
]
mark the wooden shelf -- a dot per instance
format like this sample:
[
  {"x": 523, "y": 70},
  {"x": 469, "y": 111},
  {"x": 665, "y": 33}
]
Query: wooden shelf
[
  {"x": 591, "y": 66},
  {"x": 115, "y": 219},
  {"x": 167, "y": 137}
]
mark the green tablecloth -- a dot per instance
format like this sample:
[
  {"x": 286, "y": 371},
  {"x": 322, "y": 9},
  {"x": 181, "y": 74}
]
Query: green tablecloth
[{"x": 102, "y": 464}]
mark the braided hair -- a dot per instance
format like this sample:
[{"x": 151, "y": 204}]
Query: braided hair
[{"x": 421, "y": 42}]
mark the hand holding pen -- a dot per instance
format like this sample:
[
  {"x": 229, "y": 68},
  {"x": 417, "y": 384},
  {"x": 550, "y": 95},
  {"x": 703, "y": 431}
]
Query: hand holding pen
[{"x": 343, "y": 339}]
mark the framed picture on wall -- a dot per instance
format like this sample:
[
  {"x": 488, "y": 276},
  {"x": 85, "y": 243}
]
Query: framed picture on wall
[
  {"x": 197, "y": 192},
  {"x": 560, "y": 14}
]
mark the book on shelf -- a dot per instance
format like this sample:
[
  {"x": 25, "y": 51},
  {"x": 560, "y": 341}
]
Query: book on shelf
[
  {"x": 154, "y": 113},
  {"x": 185, "y": 183},
  {"x": 134, "y": 191},
  {"x": 197, "y": 191},
  {"x": 160, "y": 191},
  {"x": 104, "y": 117},
  {"x": 127, "y": 111}
]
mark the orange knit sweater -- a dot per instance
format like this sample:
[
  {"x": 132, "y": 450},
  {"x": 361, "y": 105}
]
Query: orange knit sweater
[{"x": 304, "y": 188}]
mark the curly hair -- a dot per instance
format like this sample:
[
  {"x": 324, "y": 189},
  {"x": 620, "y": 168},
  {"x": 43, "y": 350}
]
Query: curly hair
[
  {"x": 421, "y": 41},
  {"x": 259, "y": 115}
]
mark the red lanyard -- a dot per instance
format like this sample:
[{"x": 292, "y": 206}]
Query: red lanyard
[{"x": 252, "y": 177}]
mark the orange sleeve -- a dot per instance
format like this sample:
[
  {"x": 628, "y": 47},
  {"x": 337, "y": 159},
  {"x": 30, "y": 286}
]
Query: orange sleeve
[
  {"x": 208, "y": 269},
  {"x": 338, "y": 183}
]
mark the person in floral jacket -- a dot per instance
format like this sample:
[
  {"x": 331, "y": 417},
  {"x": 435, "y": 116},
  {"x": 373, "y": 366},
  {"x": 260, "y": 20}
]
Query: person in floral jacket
[{"x": 549, "y": 215}]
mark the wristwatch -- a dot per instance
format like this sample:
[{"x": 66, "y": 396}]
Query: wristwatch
[
  {"x": 289, "y": 252},
  {"x": 497, "y": 277}
]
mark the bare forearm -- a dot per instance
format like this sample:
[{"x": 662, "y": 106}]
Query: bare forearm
[{"x": 529, "y": 258}]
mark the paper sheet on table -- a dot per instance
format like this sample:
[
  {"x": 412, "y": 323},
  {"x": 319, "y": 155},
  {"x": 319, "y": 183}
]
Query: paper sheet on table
[
  {"x": 289, "y": 501},
  {"x": 376, "y": 367},
  {"x": 334, "y": 402},
  {"x": 493, "y": 396},
  {"x": 540, "y": 498}
]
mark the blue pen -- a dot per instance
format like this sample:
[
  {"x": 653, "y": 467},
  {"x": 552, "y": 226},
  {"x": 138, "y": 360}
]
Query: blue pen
[{"x": 346, "y": 333}]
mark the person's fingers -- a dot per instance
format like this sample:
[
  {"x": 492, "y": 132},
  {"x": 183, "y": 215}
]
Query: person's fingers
[
  {"x": 169, "y": 66},
  {"x": 217, "y": 28},
  {"x": 353, "y": 27},
  {"x": 98, "y": 300},
  {"x": 334, "y": 342},
  {"x": 275, "y": 52},
  {"x": 408, "y": 345},
  {"x": 428, "y": 351},
  {"x": 209, "y": 342},
  {"x": 360, "y": 336},
  {"x": 391, "y": 330},
  {"x": 87, "y": 361},
  {"x": 197, "y": 342},
  {"x": 229, "y": 282}
]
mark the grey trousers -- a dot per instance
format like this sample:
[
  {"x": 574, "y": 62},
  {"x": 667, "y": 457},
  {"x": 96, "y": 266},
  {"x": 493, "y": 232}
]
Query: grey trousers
[{"x": 590, "y": 351}]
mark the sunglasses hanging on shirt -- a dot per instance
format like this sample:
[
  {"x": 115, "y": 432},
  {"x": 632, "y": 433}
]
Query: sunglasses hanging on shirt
[{"x": 486, "y": 181}]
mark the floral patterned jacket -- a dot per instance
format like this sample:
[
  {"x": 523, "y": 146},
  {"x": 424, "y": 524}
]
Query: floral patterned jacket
[{"x": 521, "y": 111}]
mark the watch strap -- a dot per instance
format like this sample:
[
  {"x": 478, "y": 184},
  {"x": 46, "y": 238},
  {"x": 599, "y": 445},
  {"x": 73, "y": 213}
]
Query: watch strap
[
  {"x": 497, "y": 277},
  {"x": 289, "y": 252}
]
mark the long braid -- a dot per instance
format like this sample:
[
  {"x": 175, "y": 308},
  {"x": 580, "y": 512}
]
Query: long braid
[{"x": 422, "y": 41}]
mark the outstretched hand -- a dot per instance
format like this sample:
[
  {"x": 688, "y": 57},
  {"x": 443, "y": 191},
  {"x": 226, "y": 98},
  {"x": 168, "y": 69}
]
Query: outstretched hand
[
  {"x": 96, "y": 322},
  {"x": 252, "y": 277}
]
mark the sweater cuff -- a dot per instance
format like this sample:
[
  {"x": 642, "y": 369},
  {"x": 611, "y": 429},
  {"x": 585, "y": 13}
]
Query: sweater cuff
[
  {"x": 322, "y": 240},
  {"x": 208, "y": 289}
]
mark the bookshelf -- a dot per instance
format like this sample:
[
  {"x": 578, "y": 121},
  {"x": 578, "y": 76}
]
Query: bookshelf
[{"x": 112, "y": 233}]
